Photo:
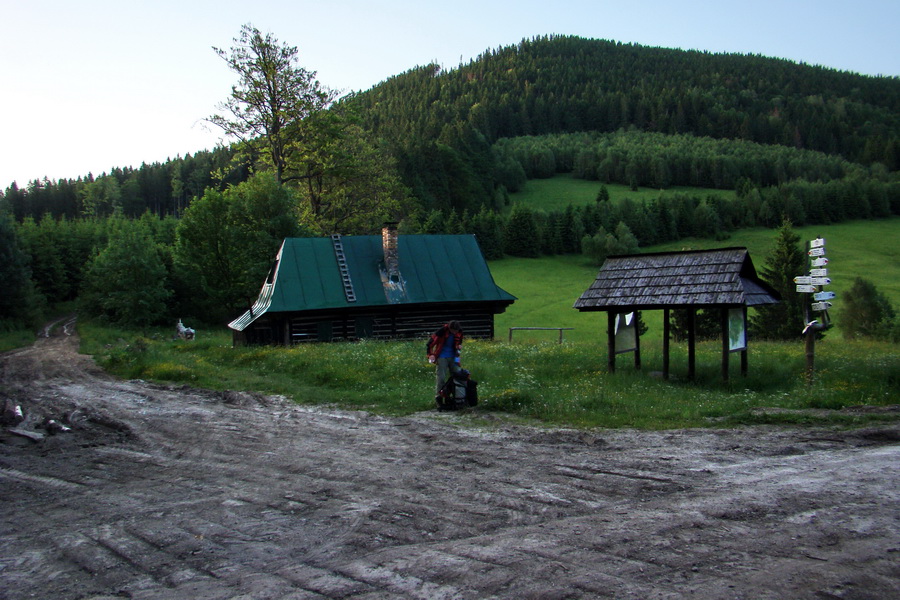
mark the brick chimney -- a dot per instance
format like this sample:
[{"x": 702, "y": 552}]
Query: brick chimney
[{"x": 391, "y": 258}]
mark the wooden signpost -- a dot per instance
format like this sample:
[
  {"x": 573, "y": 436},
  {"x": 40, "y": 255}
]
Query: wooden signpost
[{"x": 811, "y": 283}]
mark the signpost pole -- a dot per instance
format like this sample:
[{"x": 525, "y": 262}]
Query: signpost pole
[
  {"x": 810, "y": 354},
  {"x": 810, "y": 332},
  {"x": 815, "y": 278}
]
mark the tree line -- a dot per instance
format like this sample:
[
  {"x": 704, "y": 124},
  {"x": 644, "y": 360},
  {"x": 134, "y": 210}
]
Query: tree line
[
  {"x": 647, "y": 159},
  {"x": 160, "y": 188},
  {"x": 209, "y": 265}
]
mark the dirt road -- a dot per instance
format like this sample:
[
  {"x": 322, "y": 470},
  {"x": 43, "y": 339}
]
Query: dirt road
[{"x": 160, "y": 492}]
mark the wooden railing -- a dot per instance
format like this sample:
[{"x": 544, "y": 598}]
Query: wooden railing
[{"x": 560, "y": 329}]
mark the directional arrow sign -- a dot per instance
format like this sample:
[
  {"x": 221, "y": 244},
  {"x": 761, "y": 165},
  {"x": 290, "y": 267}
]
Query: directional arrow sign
[
  {"x": 820, "y": 280},
  {"x": 809, "y": 289},
  {"x": 819, "y": 262},
  {"x": 803, "y": 279},
  {"x": 823, "y": 295},
  {"x": 821, "y": 305},
  {"x": 817, "y": 243},
  {"x": 817, "y": 252},
  {"x": 818, "y": 272}
]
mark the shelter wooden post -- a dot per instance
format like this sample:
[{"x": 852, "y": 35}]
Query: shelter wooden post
[
  {"x": 611, "y": 340},
  {"x": 744, "y": 356},
  {"x": 726, "y": 349},
  {"x": 692, "y": 342},
  {"x": 611, "y": 345},
  {"x": 666, "y": 343},
  {"x": 637, "y": 342}
]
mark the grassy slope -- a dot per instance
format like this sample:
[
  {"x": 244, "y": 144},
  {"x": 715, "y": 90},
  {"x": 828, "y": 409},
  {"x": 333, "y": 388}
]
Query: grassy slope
[
  {"x": 558, "y": 192},
  {"x": 548, "y": 287}
]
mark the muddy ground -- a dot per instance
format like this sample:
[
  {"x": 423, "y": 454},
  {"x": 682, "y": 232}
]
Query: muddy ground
[{"x": 168, "y": 492}]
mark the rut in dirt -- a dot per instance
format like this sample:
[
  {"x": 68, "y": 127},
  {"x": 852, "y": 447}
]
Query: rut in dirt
[{"x": 167, "y": 492}]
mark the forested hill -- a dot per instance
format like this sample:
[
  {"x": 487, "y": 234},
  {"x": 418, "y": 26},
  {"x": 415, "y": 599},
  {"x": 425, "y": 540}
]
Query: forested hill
[
  {"x": 441, "y": 128},
  {"x": 564, "y": 84}
]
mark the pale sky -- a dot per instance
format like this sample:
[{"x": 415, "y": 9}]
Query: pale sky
[{"x": 92, "y": 85}]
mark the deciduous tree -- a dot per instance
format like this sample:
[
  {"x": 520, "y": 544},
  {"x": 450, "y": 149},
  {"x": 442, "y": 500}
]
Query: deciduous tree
[
  {"x": 126, "y": 283},
  {"x": 226, "y": 241},
  {"x": 272, "y": 100},
  {"x": 865, "y": 311},
  {"x": 285, "y": 121}
]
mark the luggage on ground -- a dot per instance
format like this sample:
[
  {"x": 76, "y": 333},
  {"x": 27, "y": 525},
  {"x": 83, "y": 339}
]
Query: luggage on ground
[{"x": 459, "y": 392}]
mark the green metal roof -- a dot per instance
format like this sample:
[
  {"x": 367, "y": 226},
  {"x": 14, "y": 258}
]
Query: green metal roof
[{"x": 433, "y": 268}]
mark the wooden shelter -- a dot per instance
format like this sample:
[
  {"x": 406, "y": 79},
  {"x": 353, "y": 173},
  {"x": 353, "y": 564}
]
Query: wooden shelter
[
  {"x": 723, "y": 279},
  {"x": 369, "y": 286}
]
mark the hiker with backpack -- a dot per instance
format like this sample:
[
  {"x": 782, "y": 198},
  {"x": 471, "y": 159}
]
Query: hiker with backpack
[
  {"x": 454, "y": 388},
  {"x": 443, "y": 351}
]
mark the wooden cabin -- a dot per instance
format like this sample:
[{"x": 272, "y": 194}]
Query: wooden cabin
[{"x": 382, "y": 287}]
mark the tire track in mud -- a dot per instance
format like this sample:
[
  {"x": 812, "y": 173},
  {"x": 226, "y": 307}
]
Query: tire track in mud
[{"x": 163, "y": 492}]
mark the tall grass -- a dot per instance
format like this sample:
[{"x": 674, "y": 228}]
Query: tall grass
[
  {"x": 10, "y": 340},
  {"x": 549, "y": 383}
]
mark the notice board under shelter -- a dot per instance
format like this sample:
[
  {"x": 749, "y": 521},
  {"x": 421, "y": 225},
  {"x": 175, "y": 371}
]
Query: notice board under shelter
[{"x": 722, "y": 279}]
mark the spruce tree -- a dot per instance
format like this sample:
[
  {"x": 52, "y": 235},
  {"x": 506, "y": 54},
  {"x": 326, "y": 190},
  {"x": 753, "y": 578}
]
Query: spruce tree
[
  {"x": 521, "y": 237},
  {"x": 603, "y": 194},
  {"x": 785, "y": 320},
  {"x": 20, "y": 303},
  {"x": 488, "y": 231}
]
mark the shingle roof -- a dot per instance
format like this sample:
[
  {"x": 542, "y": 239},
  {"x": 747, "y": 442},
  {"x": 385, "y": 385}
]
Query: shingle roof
[
  {"x": 433, "y": 268},
  {"x": 725, "y": 276}
]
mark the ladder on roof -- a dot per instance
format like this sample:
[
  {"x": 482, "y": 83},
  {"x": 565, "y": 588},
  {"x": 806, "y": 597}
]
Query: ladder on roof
[{"x": 342, "y": 266}]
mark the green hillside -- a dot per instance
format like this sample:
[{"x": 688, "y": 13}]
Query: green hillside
[
  {"x": 442, "y": 124},
  {"x": 444, "y": 129},
  {"x": 553, "y": 84},
  {"x": 548, "y": 287},
  {"x": 559, "y": 192}
]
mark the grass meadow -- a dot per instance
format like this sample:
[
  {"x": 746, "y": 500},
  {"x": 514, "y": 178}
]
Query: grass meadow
[
  {"x": 539, "y": 382},
  {"x": 557, "y": 192},
  {"x": 547, "y": 287}
]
